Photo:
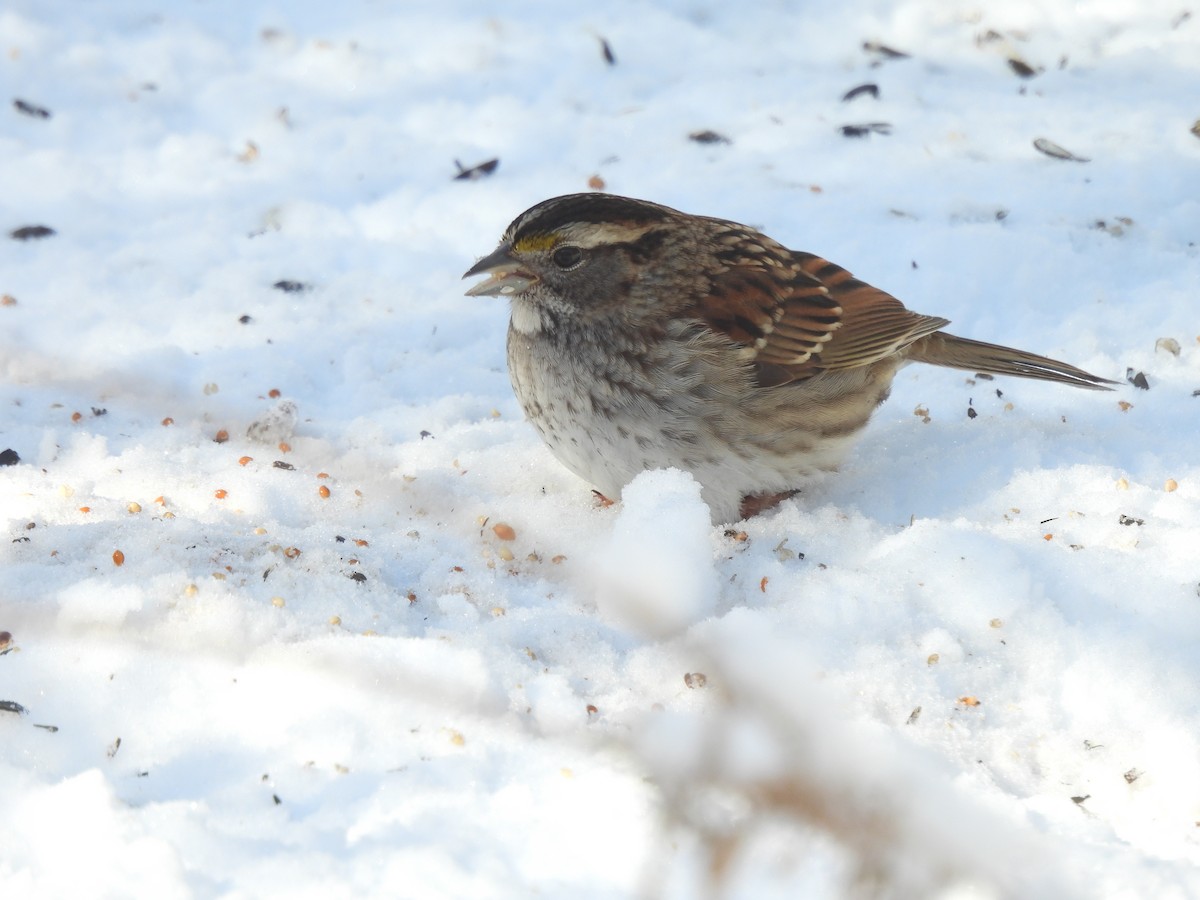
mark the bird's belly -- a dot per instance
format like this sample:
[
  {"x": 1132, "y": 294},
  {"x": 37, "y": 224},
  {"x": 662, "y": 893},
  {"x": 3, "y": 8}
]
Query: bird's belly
[{"x": 735, "y": 438}]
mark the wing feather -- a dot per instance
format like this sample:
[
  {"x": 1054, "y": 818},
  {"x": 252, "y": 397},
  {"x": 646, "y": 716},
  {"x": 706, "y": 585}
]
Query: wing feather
[{"x": 796, "y": 315}]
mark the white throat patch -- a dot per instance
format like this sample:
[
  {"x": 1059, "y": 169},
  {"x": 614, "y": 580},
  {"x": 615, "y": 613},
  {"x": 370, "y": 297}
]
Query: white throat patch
[{"x": 526, "y": 317}]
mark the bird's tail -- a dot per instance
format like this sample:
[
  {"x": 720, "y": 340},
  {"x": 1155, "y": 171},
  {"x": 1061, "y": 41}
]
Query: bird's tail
[{"x": 941, "y": 349}]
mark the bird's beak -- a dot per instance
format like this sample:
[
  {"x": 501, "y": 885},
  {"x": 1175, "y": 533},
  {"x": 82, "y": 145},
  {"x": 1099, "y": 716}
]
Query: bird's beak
[{"x": 507, "y": 275}]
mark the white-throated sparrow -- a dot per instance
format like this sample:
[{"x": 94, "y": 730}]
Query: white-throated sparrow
[{"x": 642, "y": 337}]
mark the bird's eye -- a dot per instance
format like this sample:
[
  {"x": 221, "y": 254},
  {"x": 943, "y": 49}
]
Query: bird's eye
[{"x": 567, "y": 257}]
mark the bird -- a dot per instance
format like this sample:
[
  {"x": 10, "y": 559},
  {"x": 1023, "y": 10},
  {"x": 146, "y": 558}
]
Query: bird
[{"x": 642, "y": 337}]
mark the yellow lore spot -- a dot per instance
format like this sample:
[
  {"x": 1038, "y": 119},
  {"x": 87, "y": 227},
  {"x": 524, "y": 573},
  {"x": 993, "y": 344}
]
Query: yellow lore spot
[{"x": 534, "y": 242}]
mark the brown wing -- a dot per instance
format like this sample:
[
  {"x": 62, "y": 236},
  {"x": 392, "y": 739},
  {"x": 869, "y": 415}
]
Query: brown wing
[{"x": 797, "y": 315}]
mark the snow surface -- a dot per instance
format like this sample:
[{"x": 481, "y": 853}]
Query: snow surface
[{"x": 949, "y": 670}]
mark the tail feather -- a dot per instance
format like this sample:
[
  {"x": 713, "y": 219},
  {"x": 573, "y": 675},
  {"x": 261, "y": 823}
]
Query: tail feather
[{"x": 941, "y": 349}]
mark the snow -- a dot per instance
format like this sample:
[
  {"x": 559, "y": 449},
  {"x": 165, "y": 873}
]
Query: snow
[
  {"x": 963, "y": 666},
  {"x": 663, "y": 580}
]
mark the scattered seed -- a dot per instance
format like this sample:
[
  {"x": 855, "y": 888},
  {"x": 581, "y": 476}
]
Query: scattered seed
[
  {"x": 245, "y": 460},
  {"x": 278, "y": 602},
  {"x": 596, "y": 183},
  {"x": 8, "y": 300},
  {"x": 762, "y": 585},
  {"x": 883, "y": 50},
  {"x": 29, "y": 109},
  {"x": 695, "y": 680},
  {"x": 505, "y": 554},
  {"x": 783, "y": 553},
  {"x": 969, "y": 701},
  {"x": 168, "y": 421},
  {"x": 32, "y": 233},
  {"x": 1124, "y": 405},
  {"x": 1171, "y": 485},
  {"x": 221, "y": 437},
  {"x": 504, "y": 531},
  {"x": 76, "y": 416},
  {"x": 708, "y": 136},
  {"x": 1042, "y": 145},
  {"x": 1137, "y": 379},
  {"x": 865, "y": 129},
  {"x": 869, "y": 90},
  {"x": 323, "y": 491},
  {"x": 220, "y": 493},
  {"x": 292, "y": 552},
  {"x": 1022, "y": 68},
  {"x": 996, "y": 623},
  {"x": 475, "y": 172},
  {"x": 118, "y": 558},
  {"x": 335, "y": 620},
  {"x": 1122, "y": 484},
  {"x": 285, "y": 447},
  {"x": 932, "y": 659},
  {"x": 1168, "y": 344}
]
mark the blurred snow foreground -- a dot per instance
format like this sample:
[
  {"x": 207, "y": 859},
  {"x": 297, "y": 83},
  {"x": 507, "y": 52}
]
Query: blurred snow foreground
[{"x": 773, "y": 760}]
